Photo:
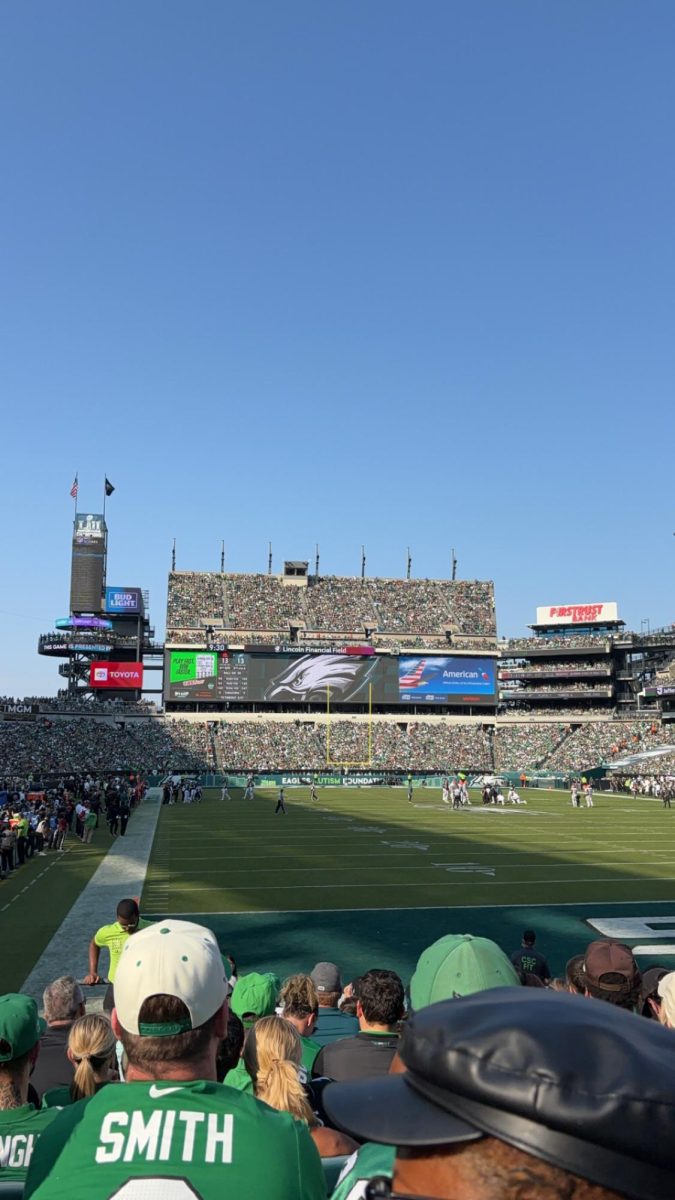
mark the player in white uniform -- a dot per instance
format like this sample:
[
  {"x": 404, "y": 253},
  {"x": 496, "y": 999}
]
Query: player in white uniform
[{"x": 445, "y": 791}]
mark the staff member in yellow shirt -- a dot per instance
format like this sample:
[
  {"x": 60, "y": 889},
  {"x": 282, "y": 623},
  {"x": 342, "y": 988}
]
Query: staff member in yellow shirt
[{"x": 112, "y": 938}]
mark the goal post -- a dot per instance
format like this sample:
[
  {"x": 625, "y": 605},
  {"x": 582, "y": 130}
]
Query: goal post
[{"x": 334, "y": 762}]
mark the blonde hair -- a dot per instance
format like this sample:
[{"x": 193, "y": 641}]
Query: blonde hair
[
  {"x": 92, "y": 1043},
  {"x": 272, "y": 1056},
  {"x": 298, "y": 996}
]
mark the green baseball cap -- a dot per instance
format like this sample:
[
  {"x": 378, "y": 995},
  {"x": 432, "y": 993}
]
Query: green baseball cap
[
  {"x": 20, "y": 1025},
  {"x": 459, "y": 965},
  {"x": 255, "y": 996}
]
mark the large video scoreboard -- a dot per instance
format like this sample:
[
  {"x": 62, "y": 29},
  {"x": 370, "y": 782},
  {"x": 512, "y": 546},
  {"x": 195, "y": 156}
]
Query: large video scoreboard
[
  {"x": 285, "y": 678},
  {"x": 87, "y": 574}
]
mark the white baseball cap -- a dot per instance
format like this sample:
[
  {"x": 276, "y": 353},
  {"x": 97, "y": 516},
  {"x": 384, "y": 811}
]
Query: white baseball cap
[{"x": 171, "y": 958}]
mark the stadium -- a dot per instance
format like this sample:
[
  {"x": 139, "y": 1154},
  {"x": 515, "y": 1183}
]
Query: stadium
[
  {"x": 324, "y": 769},
  {"x": 378, "y": 693}
]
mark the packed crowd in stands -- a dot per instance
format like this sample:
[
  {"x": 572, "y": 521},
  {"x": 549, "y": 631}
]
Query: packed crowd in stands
[
  {"x": 562, "y": 687},
  {"x": 521, "y": 709},
  {"x": 90, "y": 705},
  {"x": 282, "y": 745},
  {"x": 194, "y": 597},
  {"x": 554, "y": 668},
  {"x": 311, "y": 1078},
  {"x": 259, "y": 602},
  {"x": 597, "y": 742},
  {"x": 38, "y": 745},
  {"x": 41, "y": 747},
  {"x": 587, "y": 641},
  {"x": 337, "y": 603},
  {"x": 527, "y": 745}
]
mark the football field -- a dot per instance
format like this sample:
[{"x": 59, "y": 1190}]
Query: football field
[{"x": 365, "y": 878}]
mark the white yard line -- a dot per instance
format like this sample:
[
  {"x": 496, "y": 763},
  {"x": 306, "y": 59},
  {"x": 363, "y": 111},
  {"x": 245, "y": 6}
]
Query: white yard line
[{"x": 266, "y": 912}]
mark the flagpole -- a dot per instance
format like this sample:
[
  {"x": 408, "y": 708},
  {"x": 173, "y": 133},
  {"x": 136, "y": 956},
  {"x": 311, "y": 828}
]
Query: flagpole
[
  {"x": 77, "y": 485},
  {"x": 104, "y": 491}
]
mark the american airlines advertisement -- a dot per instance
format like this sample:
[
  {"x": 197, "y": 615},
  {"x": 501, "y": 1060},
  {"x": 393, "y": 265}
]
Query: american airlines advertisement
[{"x": 442, "y": 680}]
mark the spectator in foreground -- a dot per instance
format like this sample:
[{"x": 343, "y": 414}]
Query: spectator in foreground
[
  {"x": 519, "y": 1096},
  {"x": 21, "y": 1124},
  {"x": 273, "y": 1058},
  {"x": 650, "y": 1001},
  {"x": 607, "y": 971},
  {"x": 171, "y": 1120},
  {"x": 530, "y": 961},
  {"x": 459, "y": 964},
  {"x": 666, "y": 991},
  {"x": 331, "y": 1023},
  {"x": 231, "y": 1047},
  {"x": 254, "y": 996},
  {"x": 300, "y": 1005},
  {"x": 91, "y": 1050},
  {"x": 379, "y": 1009},
  {"x": 63, "y": 1003}
]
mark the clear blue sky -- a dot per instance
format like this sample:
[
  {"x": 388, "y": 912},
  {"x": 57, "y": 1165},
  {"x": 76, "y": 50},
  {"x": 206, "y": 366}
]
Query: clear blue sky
[{"x": 380, "y": 272}]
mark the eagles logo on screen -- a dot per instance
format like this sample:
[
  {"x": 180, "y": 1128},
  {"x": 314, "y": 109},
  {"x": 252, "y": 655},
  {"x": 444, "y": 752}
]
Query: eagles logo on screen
[{"x": 308, "y": 677}]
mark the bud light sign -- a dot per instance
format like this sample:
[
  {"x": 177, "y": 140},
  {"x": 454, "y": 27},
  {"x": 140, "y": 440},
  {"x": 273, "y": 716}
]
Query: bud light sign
[{"x": 123, "y": 600}]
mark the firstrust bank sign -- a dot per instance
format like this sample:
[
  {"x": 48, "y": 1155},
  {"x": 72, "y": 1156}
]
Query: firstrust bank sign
[{"x": 578, "y": 614}]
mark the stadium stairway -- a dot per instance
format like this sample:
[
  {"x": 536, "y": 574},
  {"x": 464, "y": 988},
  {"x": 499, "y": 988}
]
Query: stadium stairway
[{"x": 120, "y": 874}]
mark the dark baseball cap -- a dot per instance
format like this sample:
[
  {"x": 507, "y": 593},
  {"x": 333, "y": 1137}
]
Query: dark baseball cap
[
  {"x": 326, "y": 977},
  {"x": 609, "y": 966},
  {"x": 585, "y": 1087},
  {"x": 651, "y": 979}
]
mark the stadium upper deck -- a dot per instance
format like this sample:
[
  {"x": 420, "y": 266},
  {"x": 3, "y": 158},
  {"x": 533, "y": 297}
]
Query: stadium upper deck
[{"x": 390, "y": 611}]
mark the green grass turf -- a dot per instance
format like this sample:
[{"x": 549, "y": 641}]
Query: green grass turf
[
  {"x": 36, "y": 898},
  {"x": 371, "y": 848},
  {"x": 363, "y": 875}
]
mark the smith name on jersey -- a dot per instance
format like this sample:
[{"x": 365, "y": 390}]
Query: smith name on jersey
[{"x": 197, "y": 1139}]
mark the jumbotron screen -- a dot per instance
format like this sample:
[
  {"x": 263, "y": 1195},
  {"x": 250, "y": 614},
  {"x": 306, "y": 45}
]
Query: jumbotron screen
[{"x": 221, "y": 676}]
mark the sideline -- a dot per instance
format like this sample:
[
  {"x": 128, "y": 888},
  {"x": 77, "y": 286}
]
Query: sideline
[{"x": 121, "y": 873}]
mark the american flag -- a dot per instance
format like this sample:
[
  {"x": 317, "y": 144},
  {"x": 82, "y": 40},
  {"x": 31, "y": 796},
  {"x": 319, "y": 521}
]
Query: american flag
[{"x": 74, "y": 488}]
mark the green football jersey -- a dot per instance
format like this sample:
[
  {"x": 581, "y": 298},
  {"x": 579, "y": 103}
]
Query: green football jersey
[
  {"x": 310, "y": 1050},
  {"x": 370, "y": 1160},
  {"x": 20, "y": 1130},
  {"x": 174, "y": 1141},
  {"x": 239, "y": 1078}
]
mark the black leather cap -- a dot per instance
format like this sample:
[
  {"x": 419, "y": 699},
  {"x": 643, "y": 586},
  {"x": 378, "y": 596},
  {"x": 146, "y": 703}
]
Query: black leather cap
[{"x": 581, "y": 1084}]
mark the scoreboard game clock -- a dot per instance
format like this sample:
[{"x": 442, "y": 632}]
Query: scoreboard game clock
[{"x": 338, "y": 678}]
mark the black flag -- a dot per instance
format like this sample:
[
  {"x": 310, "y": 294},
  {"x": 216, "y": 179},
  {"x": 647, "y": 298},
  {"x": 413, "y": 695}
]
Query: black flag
[{"x": 109, "y": 489}]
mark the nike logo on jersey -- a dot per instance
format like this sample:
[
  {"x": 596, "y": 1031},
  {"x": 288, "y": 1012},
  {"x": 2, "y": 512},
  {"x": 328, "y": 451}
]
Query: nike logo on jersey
[{"x": 156, "y": 1093}]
